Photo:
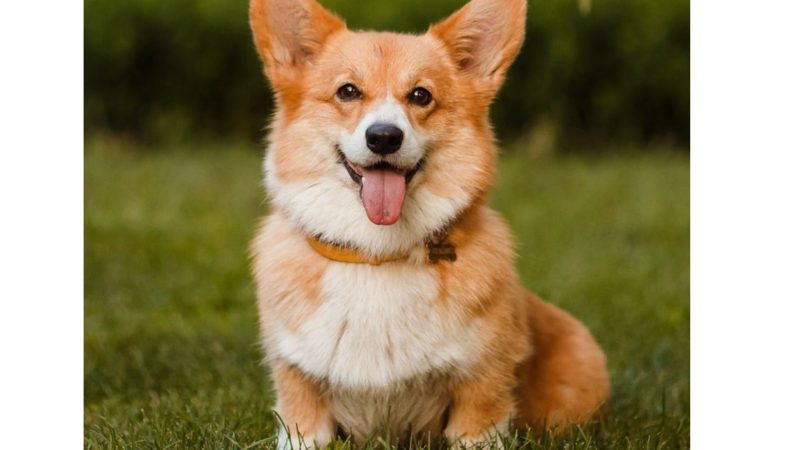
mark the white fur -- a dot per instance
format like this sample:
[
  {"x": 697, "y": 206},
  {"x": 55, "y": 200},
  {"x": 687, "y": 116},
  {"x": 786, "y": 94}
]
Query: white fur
[
  {"x": 330, "y": 207},
  {"x": 491, "y": 437},
  {"x": 289, "y": 440},
  {"x": 354, "y": 145},
  {"x": 379, "y": 326}
]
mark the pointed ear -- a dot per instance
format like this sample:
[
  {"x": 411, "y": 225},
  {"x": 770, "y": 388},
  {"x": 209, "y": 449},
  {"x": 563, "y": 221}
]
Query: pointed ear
[
  {"x": 484, "y": 37},
  {"x": 289, "y": 33}
]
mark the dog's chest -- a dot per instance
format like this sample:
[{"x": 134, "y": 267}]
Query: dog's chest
[{"x": 378, "y": 326}]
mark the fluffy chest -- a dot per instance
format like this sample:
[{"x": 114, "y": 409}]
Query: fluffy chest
[{"x": 378, "y": 326}]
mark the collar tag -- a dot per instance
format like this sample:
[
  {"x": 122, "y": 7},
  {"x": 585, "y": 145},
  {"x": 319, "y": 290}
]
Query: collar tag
[{"x": 440, "y": 249}]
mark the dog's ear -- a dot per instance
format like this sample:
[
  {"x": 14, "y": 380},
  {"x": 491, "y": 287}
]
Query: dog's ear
[
  {"x": 484, "y": 37},
  {"x": 289, "y": 33}
]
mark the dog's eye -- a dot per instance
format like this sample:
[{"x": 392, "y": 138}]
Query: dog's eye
[
  {"x": 420, "y": 96},
  {"x": 348, "y": 92}
]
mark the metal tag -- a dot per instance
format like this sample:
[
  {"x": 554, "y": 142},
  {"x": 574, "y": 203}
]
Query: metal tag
[{"x": 440, "y": 249}]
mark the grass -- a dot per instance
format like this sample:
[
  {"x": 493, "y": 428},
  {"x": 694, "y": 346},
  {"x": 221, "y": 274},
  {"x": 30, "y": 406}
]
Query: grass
[{"x": 171, "y": 354}]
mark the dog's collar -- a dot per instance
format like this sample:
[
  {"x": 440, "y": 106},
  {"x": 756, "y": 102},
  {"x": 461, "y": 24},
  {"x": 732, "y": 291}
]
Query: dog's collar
[
  {"x": 438, "y": 247},
  {"x": 340, "y": 253}
]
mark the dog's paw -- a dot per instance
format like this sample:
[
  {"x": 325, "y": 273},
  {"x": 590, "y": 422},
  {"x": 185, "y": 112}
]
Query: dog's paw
[
  {"x": 293, "y": 441},
  {"x": 489, "y": 439}
]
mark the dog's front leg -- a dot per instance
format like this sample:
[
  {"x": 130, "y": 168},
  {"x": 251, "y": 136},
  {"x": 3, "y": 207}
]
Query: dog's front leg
[
  {"x": 304, "y": 416},
  {"x": 481, "y": 409}
]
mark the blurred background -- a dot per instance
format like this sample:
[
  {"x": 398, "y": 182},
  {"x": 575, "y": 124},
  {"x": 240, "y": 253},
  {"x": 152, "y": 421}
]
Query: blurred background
[
  {"x": 593, "y": 179},
  {"x": 591, "y": 74}
]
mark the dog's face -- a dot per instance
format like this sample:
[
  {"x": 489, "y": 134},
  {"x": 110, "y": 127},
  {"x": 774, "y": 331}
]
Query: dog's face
[{"x": 382, "y": 139}]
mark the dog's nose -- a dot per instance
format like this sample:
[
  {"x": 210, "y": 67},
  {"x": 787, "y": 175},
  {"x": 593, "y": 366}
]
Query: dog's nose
[{"x": 384, "y": 138}]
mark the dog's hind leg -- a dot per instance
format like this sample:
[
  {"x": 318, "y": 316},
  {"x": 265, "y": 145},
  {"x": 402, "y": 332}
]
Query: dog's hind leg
[{"x": 565, "y": 380}]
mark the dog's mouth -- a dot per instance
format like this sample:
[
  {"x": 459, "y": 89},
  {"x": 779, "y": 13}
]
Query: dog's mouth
[{"x": 382, "y": 188}]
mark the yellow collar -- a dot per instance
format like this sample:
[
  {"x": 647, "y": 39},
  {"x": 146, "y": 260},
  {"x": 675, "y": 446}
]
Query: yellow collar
[
  {"x": 438, "y": 249},
  {"x": 343, "y": 254}
]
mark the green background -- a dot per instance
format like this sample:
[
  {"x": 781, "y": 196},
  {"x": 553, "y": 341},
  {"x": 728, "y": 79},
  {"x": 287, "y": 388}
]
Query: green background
[{"x": 179, "y": 70}]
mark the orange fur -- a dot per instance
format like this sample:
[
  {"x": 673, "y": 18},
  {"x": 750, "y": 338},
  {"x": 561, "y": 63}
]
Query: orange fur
[
  {"x": 302, "y": 405},
  {"x": 565, "y": 381},
  {"x": 518, "y": 357},
  {"x": 295, "y": 292}
]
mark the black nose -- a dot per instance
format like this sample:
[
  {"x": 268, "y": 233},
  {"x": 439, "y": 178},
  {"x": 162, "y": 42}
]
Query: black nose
[{"x": 384, "y": 138}]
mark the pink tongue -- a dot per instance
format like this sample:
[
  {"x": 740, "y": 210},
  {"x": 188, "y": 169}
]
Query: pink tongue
[{"x": 382, "y": 193}]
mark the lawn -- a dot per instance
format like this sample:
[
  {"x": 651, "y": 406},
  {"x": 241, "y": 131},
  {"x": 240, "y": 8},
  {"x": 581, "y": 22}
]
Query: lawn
[{"x": 171, "y": 353}]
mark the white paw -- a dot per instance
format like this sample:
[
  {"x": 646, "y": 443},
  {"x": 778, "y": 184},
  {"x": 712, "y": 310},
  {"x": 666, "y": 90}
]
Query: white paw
[
  {"x": 293, "y": 441},
  {"x": 489, "y": 439}
]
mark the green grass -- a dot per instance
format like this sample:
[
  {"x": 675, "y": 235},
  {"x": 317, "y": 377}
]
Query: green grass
[{"x": 171, "y": 353}]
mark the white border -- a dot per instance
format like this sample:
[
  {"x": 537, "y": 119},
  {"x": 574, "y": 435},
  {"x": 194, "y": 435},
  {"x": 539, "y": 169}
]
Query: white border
[
  {"x": 745, "y": 224},
  {"x": 41, "y": 230}
]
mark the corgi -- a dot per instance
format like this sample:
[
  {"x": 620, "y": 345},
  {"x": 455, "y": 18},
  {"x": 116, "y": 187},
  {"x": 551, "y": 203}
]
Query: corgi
[{"x": 387, "y": 293}]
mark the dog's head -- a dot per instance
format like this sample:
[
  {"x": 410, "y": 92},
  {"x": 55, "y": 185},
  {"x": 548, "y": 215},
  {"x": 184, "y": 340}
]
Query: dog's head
[{"x": 380, "y": 139}]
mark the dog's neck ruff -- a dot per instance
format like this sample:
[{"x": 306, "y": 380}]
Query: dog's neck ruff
[{"x": 437, "y": 246}]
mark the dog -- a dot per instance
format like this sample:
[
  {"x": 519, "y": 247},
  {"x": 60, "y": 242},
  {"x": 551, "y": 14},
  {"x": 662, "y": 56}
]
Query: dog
[{"x": 387, "y": 293}]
